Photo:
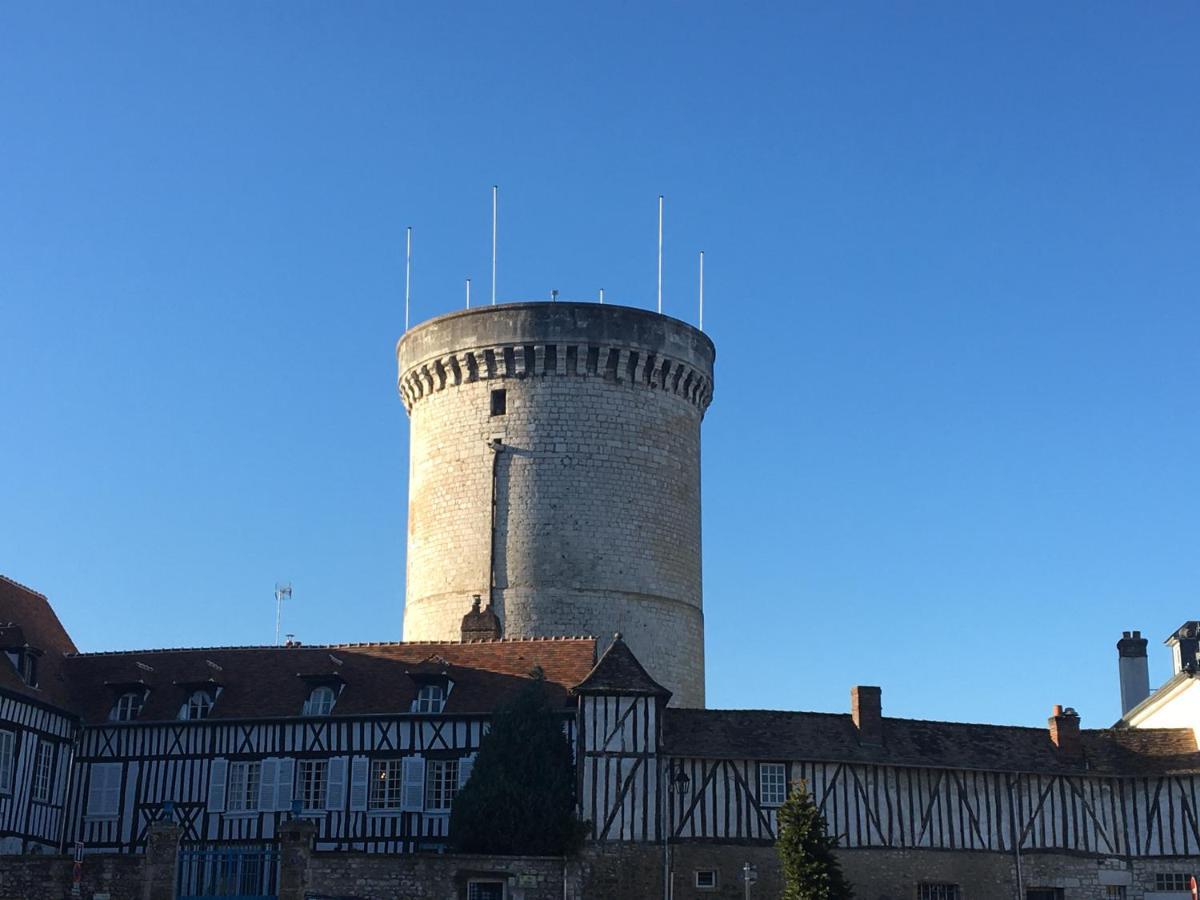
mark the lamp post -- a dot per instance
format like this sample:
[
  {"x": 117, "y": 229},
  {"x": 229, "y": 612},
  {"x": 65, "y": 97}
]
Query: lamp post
[{"x": 678, "y": 782}]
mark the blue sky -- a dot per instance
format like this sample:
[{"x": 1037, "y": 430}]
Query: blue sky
[{"x": 951, "y": 272}]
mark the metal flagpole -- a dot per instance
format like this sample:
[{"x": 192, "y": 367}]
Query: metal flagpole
[
  {"x": 660, "y": 220},
  {"x": 701, "y": 290},
  {"x": 407, "y": 275},
  {"x": 468, "y": 293},
  {"x": 495, "y": 206}
]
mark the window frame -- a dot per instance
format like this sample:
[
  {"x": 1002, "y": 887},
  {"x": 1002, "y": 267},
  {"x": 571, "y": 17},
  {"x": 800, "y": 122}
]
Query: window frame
[
  {"x": 441, "y": 783},
  {"x": 474, "y": 882},
  {"x": 716, "y": 881},
  {"x": 190, "y": 705},
  {"x": 8, "y": 760},
  {"x": 771, "y": 794},
  {"x": 392, "y": 768},
  {"x": 41, "y": 782},
  {"x": 113, "y": 790},
  {"x": 498, "y": 409},
  {"x": 1173, "y": 881},
  {"x": 938, "y": 890},
  {"x": 424, "y": 704},
  {"x": 307, "y": 771},
  {"x": 123, "y": 712},
  {"x": 324, "y": 690},
  {"x": 243, "y": 786}
]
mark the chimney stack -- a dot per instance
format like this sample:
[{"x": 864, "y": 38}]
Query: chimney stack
[
  {"x": 1134, "y": 671},
  {"x": 480, "y": 624},
  {"x": 1064, "y": 732},
  {"x": 866, "y": 708}
]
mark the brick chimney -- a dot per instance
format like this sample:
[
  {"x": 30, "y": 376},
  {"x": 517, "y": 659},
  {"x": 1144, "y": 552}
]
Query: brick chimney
[
  {"x": 480, "y": 625},
  {"x": 866, "y": 708},
  {"x": 1064, "y": 732},
  {"x": 1135, "y": 676}
]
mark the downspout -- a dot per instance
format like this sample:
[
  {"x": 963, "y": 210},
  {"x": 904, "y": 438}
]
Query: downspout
[
  {"x": 1017, "y": 836},
  {"x": 496, "y": 445}
]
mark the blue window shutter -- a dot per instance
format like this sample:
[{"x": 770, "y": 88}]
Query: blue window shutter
[
  {"x": 413, "y": 795},
  {"x": 216, "y": 785},
  {"x": 283, "y": 783},
  {"x": 266, "y": 784},
  {"x": 335, "y": 789},
  {"x": 360, "y": 768},
  {"x": 465, "y": 766}
]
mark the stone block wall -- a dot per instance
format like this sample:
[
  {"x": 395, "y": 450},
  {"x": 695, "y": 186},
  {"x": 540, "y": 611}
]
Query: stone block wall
[
  {"x": 596, "y": 489},
  {"x": 50, "y": 877}
]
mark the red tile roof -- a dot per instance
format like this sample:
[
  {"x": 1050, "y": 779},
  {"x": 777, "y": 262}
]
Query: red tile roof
[
  {"x": 270, "y": 682},
  {"x": 38, "y": 626}
]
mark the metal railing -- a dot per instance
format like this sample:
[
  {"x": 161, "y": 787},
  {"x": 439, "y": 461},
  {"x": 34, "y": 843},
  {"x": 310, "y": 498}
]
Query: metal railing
[{"x": 228, "y": 872}]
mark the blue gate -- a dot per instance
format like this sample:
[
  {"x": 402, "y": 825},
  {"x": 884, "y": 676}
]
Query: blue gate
[{"x": 228, "y": 872}]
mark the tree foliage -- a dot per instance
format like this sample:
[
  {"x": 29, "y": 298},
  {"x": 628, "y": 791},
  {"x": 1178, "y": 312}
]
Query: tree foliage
[
  {"x": 520, "y": 798},
  {"x": 810, "y": 869}
]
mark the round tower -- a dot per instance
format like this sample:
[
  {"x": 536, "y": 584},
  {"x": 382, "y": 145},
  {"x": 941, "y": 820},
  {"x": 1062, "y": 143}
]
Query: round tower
[{"x": 555, "y": 472}]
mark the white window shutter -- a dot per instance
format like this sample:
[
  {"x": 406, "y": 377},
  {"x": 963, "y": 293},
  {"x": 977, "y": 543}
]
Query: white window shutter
[
  {"x": 104, "y": 789},
  {"x": 360, "y": 774},
  {"x": 465, "y": 765},
  {"x": 413, "y": 771},
  {"x": 335, "y": 789},
  {"x": 266, "y": 784},
  {"x": 60, "y": 774},
  {"x": 283, "y": 783},
  {"x": 216, "y": 785}
]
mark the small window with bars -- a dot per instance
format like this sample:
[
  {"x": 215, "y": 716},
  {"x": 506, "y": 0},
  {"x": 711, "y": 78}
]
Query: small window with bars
[
  {"x": 1172, "y": 881},
  {"x": 934, "y": 890},
  {"x": 706, "y": 879},
  {"x": 485, "y": 890},
  {"x": 1044, "y": 893},
  {"x": 1114, "y": 892},
  {"x": 387, "y": 784}
]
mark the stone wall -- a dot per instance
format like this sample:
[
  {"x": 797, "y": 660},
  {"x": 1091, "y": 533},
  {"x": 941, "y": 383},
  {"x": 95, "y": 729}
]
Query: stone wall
[
  {"x": 50, "y": 877},
  {"x": 597, "y": 487}
]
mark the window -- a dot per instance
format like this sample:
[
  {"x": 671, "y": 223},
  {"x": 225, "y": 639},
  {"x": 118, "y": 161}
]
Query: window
[
  {"x": 43, "y": 772},
  {"x": 772, "y": 784},
  {"x": 430, "y": 699},
  {"x": 441, "y": 784},
  {"x": 935, "y": 891},
  {"x": 245, "y": 779},
  {"x": 199, "y": 704},
  {"x": 25, "y": 662},
  {"x": 312, "y": 783},
  {"x": 104, "y": 790},
  {"x": 127, "y": 707},
  {"x": 1044, "y": 894},
  {"x": 1114, "y": 892},
  {"x": 7, "y": 745},
  {"x": 706, "y": 878},
  {"x": 387, "y": 784},
  {"x": 485, "y": 890},
  {"x": 1172, "y": 881},
  {"x": 320, "y": 702},
  {"x": 499, "y": 402}
]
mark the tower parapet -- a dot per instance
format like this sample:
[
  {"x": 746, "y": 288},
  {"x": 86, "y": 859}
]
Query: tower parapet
[{"x": 555, "y": 470}]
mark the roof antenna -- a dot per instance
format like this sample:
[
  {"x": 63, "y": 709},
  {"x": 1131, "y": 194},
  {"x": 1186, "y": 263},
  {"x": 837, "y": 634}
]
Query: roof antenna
[
  {"x": 282, "y": 592},
  {"x": 701, "y": 290},
  {"x": 495, "y": 207},
  {"x": 407, "y": 282},
  {"x": 468, "y": 293},
  {"x": 660, "y": 220},
  {"x": 554, "y": 296}
]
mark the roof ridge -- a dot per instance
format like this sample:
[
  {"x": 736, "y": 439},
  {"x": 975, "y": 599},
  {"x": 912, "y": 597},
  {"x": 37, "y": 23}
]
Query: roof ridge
[
  {"x": 343, "y": 645},
  {"x": 23, "y": 587}
]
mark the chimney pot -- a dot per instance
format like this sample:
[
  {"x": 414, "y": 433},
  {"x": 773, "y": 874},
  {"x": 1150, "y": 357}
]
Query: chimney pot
[
  {"x": 866, "y": 709},
  {"x": 1133, "y": 670}
]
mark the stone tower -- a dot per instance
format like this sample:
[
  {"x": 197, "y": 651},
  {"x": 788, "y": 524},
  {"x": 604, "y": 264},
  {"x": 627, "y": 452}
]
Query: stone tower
[{"x": 555, "y": 471}]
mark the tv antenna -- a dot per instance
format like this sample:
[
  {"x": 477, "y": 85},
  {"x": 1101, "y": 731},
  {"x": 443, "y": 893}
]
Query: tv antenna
[{"x": 282, "y": 592}]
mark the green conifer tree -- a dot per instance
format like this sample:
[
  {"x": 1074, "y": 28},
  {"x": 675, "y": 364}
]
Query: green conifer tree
[
  {"x": 810, "y": 869},
  {"x": 520, "y": 798}
]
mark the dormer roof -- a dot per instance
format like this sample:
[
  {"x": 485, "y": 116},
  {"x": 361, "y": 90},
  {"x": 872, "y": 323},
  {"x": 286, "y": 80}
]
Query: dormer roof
[{"x": 619, "y": 672}]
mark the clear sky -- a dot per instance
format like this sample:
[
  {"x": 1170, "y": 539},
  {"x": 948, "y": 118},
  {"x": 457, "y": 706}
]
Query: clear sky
[{"x": 952, "y": 272}]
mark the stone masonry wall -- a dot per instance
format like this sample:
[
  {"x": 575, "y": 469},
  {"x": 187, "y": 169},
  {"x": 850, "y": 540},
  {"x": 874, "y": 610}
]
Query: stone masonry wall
[
  {"x": 597, "y": 489},
  {"x": 50, "y": 877}
]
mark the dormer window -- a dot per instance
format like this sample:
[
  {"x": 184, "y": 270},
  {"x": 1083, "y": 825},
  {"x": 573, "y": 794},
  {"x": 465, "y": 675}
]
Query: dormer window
[
  {"x": 128, "y": 706},
  {"x": 198, "y": 705},
  {"x": 430, "y": 699},
  {"x": 320, "y": 701},
  {"x": 25, "y": 661}
]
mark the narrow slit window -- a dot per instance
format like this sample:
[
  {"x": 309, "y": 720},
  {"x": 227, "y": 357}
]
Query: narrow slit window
[{"x": 499, "y": 402}]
